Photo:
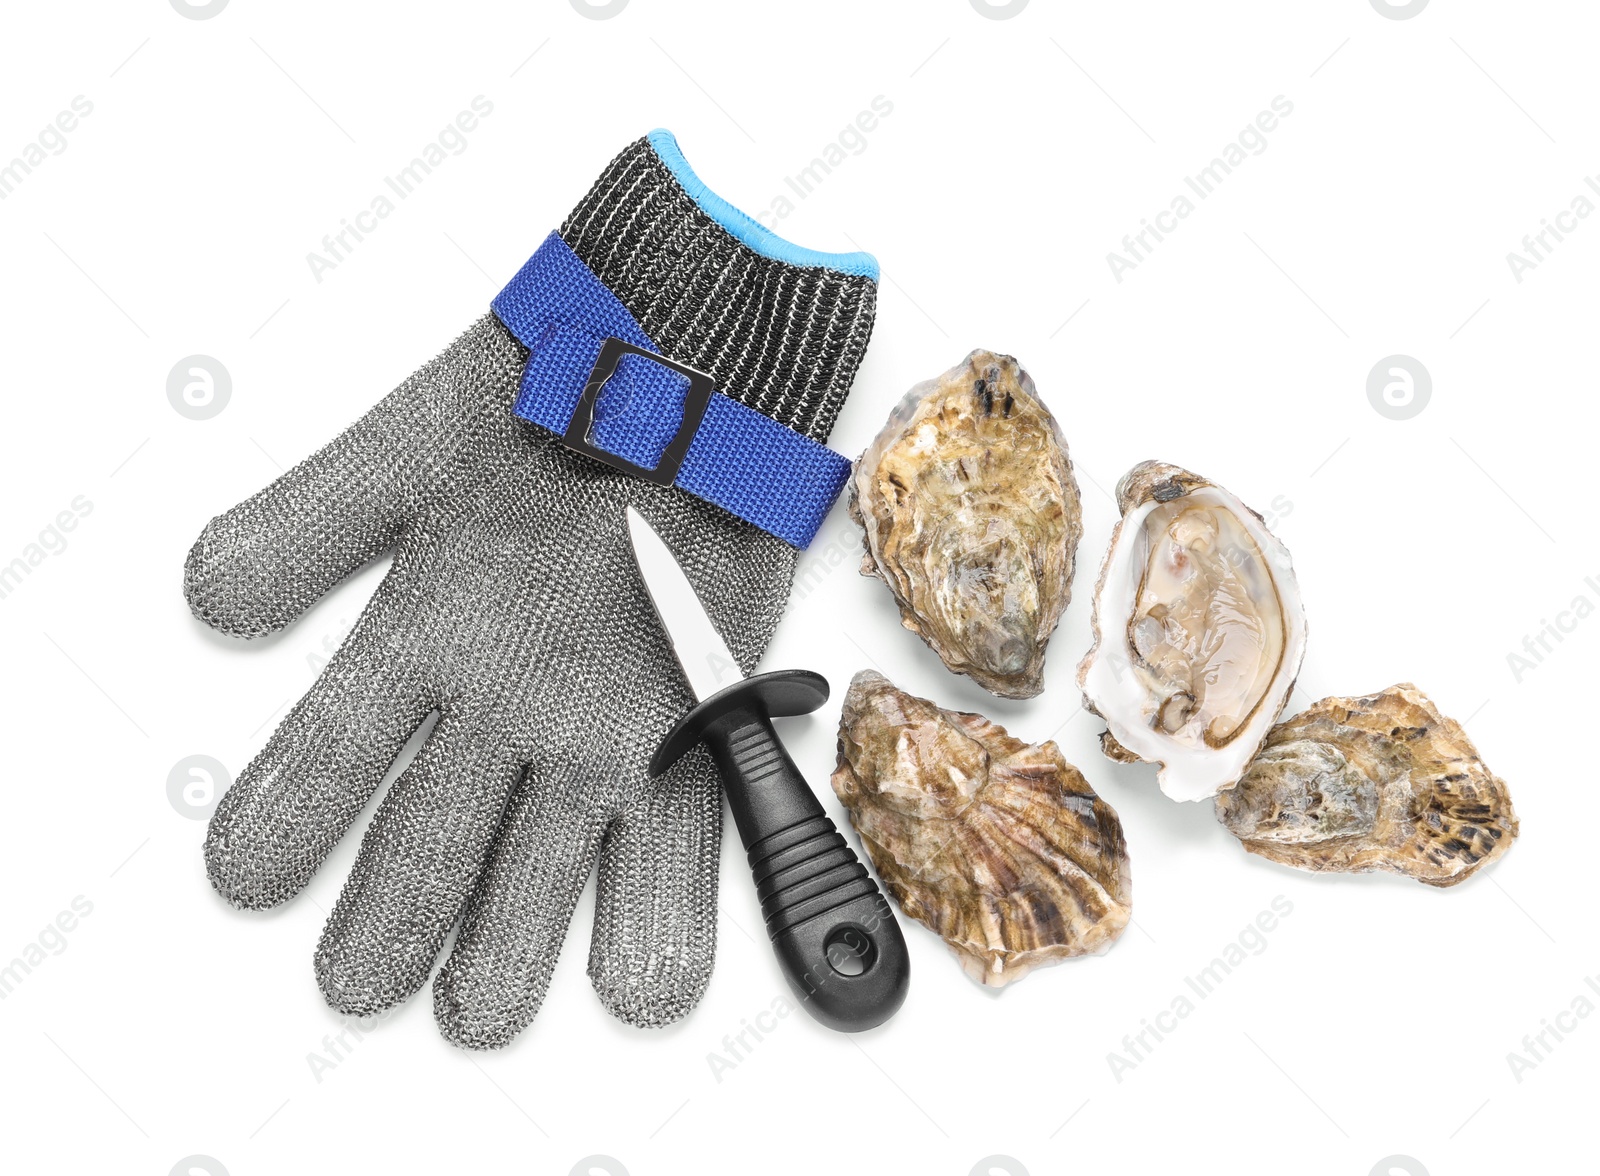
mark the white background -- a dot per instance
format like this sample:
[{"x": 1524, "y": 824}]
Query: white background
[{"x": 177, "y": 220}]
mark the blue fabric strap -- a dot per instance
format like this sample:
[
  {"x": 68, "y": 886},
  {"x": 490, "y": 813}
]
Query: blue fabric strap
[{"x": 740, "y": 459}]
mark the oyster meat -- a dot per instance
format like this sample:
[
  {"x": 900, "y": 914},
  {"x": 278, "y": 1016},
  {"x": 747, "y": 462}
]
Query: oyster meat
[
  {"x": 1382, "y": 782},
  {"x": 972, "y": 518},
  {"x": 999, "y": 846},
  {"x": 1198, "y": 631}
]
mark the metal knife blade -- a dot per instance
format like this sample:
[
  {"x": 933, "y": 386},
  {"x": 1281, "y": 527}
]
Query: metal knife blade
[{"x": 701, "y": 651}]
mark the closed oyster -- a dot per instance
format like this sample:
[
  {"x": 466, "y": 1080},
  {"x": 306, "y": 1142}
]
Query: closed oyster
[
  {"x": 998, "y": 845},
  {"x": 1198, "y": 631},
  {"x": 1383, "y": 782},
  {"x": 972, "y": 518}
]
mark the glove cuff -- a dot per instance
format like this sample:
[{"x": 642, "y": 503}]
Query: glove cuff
[{"x": 781, "y": 328}]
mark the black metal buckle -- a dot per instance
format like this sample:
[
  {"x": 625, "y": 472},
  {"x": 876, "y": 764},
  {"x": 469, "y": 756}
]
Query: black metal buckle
[{"x": 695, "y": 402}]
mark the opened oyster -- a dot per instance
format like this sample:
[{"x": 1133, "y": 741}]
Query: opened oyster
[
  {"x": 1198, "y": 631},
  {"x": 972, "y": 518},
  {"x": 1383, "y": 782},
  {"x": 998, "y": 845}
]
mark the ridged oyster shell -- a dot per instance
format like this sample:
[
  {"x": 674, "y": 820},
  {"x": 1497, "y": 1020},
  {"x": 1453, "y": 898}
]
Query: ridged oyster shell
[
  {"x": 971, "y": 516},
  {"x": 1382, "y": 782},
  {"x": 1198, "y": 631},
  {"x": 999, "y": 846}
]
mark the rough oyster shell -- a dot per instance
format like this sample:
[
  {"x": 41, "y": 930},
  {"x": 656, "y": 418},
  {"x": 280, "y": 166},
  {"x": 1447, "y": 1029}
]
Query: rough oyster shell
[
  {"x": 1382, "y": 782},
  {"x": 1198, "y": 631},
  {"x": 971, "y": 516},
  {"x": 998, "y": 845}
]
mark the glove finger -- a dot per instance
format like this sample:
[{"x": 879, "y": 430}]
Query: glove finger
[
  {"x": 495, "y": 980},
  {"x": 419, "y": 859},
  {"x": 655, "y": 922},
  {"x": 260, "y": 565},
  {"x": 294, "y": 802}
]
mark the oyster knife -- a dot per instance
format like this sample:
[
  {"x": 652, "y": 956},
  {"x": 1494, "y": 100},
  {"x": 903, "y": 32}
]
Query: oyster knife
[{"x": 836, "y": 939}]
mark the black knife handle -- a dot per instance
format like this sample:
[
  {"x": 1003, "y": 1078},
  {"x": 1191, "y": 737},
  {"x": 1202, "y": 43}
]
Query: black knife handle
[{"x": 834, "y": 934}]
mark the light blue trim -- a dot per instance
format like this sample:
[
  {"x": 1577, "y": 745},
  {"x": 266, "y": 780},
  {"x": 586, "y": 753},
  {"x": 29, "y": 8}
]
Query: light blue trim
[{"x": 745, "y": 228}]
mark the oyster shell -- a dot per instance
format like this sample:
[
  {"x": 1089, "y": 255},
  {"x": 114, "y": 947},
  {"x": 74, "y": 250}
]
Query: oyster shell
[
  {"x": 1198, "y": 631},
  {"x": 998, "y": 845},
  {"x": 972, "y": 518},
  {"x": 1382, "y": 782}
]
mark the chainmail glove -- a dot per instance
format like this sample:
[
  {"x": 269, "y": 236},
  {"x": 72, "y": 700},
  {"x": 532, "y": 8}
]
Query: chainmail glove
[{"x": 514, "y": 610}]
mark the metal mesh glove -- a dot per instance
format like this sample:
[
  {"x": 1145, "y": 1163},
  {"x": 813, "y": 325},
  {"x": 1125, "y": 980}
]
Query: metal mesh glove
[{"x": 514, "y": 609}]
